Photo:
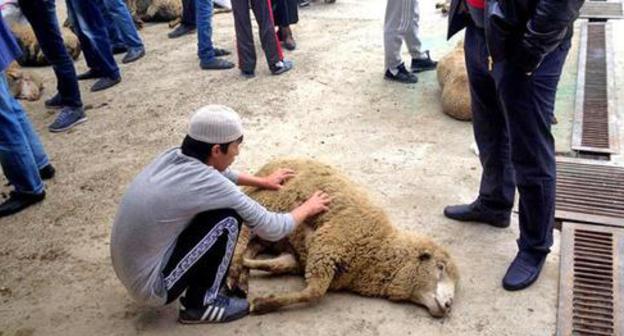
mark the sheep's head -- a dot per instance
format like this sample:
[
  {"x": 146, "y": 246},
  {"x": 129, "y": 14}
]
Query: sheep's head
[{"x": 428, "y": 278}]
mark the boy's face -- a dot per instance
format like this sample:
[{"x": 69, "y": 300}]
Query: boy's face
[{"x": 221, "y": 161}]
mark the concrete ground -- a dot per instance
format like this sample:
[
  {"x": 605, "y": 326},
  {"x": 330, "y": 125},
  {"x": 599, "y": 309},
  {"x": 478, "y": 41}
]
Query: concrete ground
[{"x": 56, "y": 277}]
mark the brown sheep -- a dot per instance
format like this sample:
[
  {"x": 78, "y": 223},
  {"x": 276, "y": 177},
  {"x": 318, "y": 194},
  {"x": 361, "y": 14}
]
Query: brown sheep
[
  {"x": 154, "y": 10},
  {"x": 33, "y": 56},
  {"x": 351, "y": 247},
  {"x": 23, "y": 85},
  {"x": 453, "y": 80}
]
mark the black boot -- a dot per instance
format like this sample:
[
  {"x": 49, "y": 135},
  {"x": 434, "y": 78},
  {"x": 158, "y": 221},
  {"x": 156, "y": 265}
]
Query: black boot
[{"x": 473, "y": 213}]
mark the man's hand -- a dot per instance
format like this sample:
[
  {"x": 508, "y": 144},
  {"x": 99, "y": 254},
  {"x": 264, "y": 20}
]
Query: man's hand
[
  {"x": 276, "y": 180},
  {"x": 316, "y": 204}
]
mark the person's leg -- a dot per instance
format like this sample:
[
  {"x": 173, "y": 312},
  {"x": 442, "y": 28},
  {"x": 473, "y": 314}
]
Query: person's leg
[
  {"x": 17, "y": 142},
  {"x": 94, "y": 38},
  {"x": 395, "y": 26},
  {"x": 497, "y": 190},
  {"x": 244, "y": 36},
  {"x": 42, "y": 16},
  {"x": 188, "y": 13},
  {"x": 122, "y": 20},
  {"x": 421, "y": 61},
  {"x": 112, "y": 29},
  {"x": 268, "y": 37},
  {"x": 198, "y": 265},
  {"x": 205, "y": 49}
]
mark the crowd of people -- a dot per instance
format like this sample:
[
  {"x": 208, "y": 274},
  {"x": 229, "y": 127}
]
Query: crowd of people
[{"x": 163, "y": 250}]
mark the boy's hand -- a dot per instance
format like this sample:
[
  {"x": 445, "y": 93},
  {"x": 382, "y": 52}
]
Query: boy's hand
[
  {"x": 317, "y": 203},
  {"x": 276, "y": 180}
]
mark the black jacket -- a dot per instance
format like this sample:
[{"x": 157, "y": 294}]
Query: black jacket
[{"x": 521, "y": 31}]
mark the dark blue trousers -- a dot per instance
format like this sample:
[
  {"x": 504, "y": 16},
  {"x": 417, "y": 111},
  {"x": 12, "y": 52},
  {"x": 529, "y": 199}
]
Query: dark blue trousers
[
  {"x": 188, "y": 13},
  {"x": 91, "y": 29},
  {"x": 42, "y": 17},
  {"x": 512, "y": 115}
]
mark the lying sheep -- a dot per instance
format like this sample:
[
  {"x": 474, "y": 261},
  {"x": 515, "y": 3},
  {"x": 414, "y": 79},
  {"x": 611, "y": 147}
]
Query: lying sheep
[
  {"x": 154, "y": 10},
  {"x": 23, "y": 85},
  {"x": 453, "y": 80},
  {"x": 351, "y": 247},
  {"x": 33, "y": 56}
]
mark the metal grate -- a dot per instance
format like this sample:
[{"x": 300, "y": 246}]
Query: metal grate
[
  {"x": 594, "y": 129},
  {"x": 602, "y": 10},
  {"x": 590, "y": 192},
  {"x": 590, "y": 286}
]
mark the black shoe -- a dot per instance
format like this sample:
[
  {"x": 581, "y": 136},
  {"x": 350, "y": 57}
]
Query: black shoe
[
  {"x": 248, "y": 73},
  {"x": 47, "y": 172},
  {"x": 104, "y": 83},
  {"x": 181, "y": 30},
  {"x": 472, "y": 213},
  {"x": 133, "y": 55},
  {"x": 222, "y": 309},
  {"x": 55, "y": 102},
  {"x": 281, "y": 67},
  {"x": 18, "y": 202},
  {"x": 90, "y": 74},
  {"x": 120, "y": 49},
  {"x": 524, "y": 270},
  {"x": 216, "y": 64},
  {"x": 221, "y": 52},
  {"x": 423, "y": 64},
  {"x": 402, "y": 75}
]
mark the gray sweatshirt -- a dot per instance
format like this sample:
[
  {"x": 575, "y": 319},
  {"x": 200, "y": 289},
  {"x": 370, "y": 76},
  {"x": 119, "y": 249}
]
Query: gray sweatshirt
[{"x": 159, "y": 204}]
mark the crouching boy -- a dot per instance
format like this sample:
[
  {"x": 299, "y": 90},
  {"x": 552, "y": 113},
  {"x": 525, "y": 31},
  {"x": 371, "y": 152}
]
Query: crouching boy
[{"x": 178, "y": 222}]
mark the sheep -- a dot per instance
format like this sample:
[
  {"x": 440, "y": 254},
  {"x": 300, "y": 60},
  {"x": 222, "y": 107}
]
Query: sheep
[
  {"x": 351, "y": 247},
  {"x": 154, "y": 10},
  {"x": 32, "y": 54},
  {"x": 453, "y": 80},
  {"x": 23, "y": 85}
]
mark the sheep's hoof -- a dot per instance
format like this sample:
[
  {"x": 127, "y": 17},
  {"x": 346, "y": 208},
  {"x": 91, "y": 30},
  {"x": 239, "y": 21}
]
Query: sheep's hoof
[{"x": 263, "y": 305}]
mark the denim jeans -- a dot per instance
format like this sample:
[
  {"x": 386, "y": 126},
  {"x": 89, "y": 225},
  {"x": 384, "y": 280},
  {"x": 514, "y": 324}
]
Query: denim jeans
[
  {"x": 42, "y": 17},
  {"x": 188, "y": 13},
  {"x": 203, "y": 17},
  {"x": 91, "y": 28},
  {"x": 512, "y": 115},
  {"x": 21, "y": 151},
  {"x": 120, "y": 26}
]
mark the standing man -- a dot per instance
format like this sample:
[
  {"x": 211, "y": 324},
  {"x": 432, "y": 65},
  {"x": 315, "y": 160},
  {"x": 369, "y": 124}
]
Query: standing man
[
  {"x": 209, "y": 56},
  {"x": 22, "y": 157},
  {"x": 513, "y": 75},
  {"x": 42, "y": 17},
  {"x": 401, "y": 23},
  {"x": 122, "y": 31},
  {"x": 178, "y": 222},
  {"x": 90, "y": 27}
]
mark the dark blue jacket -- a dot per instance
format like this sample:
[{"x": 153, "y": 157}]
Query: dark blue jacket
[{"x": 521, "y": 31}]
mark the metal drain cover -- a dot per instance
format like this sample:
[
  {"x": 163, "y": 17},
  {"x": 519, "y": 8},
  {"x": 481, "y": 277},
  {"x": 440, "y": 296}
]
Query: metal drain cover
[
  {"x": 590, "y": 192},
  {"x": 590, "y": 285},
  {"x": 602, "y": 10}
]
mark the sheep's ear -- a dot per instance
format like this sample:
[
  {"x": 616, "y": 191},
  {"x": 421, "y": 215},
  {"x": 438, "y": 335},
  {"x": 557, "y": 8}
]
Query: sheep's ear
[{"x": 424, "y": 256}]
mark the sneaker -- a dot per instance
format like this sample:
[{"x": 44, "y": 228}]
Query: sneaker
[
  {"x": 19, "y": 201},
  {"x": 216, "y": 64},
  {"x": 402, "y": 75},
  {"x": 133, "y": 54},
  {"x": 68, "y": 118},
  {"x": 524, "y": 270},
  {"x": 181, "y": 30},
  {"x": 423, "y": 64},
  {"x": 55, "y": 102},
  {"x": 222, "y": 309},
  {"x": 281, "y": 67},
  {"x": 105, "y": 83}
]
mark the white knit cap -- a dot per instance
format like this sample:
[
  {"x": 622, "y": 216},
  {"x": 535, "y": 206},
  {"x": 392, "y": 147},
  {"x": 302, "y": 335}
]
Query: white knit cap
[{"x": 215, "y": 124}]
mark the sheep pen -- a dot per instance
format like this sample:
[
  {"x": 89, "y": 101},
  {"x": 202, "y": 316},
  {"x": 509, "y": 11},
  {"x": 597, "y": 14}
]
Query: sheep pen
[{"x": 352, "y": 247}]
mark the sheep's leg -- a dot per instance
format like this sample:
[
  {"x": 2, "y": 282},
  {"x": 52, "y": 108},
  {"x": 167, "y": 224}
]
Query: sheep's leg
[
  {"x": 238, "y": 275},
  {"x": 319, "y": 275},
  {"x": 285, "y": 263}
]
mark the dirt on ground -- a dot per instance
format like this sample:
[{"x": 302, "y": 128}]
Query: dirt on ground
[{"x": 55, "y": 271}]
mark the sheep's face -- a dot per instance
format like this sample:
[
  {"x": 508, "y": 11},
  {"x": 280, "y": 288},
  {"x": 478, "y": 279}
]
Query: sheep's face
[{"x": 429, "y": 280}]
